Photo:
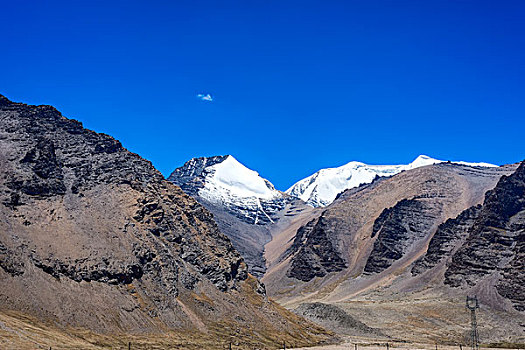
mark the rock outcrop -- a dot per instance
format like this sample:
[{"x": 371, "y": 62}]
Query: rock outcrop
[
  {"x": 315, "y": 254},
  {"x": 448, "y": 237},
  {"x": 398, "y": 228},
  {"x": 336, "y": 319}
]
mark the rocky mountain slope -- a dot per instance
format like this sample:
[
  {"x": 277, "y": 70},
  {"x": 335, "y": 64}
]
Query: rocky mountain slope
[
  {"x": 93, "y": 238},
  {"x": 371, "y": 227},
  {"x": 245, "y": 206},
  {"x": 321, "y": 188},
  {"x": 416, "y": 242},
  {"x": 494, "y": 250}
]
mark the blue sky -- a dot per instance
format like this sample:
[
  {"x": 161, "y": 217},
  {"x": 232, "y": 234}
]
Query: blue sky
[{"x": 296, "y": 85}]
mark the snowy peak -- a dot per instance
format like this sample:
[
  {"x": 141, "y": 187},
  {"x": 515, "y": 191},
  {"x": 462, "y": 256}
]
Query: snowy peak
[
  {"x": 222, "y": 176},
  {"x": 244, "y": 205},
  {"x": 233, "y": 177},
  {"x": 224, "y": 181},
  {"x": 422, "y": 160},
  {"x": 321, "y": 188}
]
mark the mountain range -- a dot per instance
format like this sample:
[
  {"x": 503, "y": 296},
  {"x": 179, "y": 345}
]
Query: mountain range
[
  {"x": 417, "y": 243},
  {"x": 371, "y": 231},
  {"x": 247, "y": 207},
  {"x": 98, "y": 249}
]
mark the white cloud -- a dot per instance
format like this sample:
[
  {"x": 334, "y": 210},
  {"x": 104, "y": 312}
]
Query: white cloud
[{"x": 205, "y": 97}]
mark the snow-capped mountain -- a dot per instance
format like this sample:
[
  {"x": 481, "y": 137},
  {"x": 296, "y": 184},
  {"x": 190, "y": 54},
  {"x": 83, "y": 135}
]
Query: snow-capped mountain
[
  {"x": 321, "y": 188},
  {"x": 243, "y": 204},
  {"x": 224, "y": 181}
]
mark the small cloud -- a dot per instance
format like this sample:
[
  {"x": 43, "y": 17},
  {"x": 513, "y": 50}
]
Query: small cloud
[{"x": 205, "y": 97}]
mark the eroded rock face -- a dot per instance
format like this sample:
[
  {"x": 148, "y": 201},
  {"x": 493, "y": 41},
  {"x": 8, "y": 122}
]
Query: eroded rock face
[
  {"x": 447, "y": 239},
  {"x": 92, "y": 236},
  {"x": 315, "y": 253},
  {"x": 397, "y": 228},
  {"x": 9, "y": 261},
  {"x": 495, "y": 242},
  {"x": 510, "y": 284}
]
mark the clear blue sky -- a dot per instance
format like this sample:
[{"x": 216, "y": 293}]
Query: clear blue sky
[{"x": 296, "y": 85}]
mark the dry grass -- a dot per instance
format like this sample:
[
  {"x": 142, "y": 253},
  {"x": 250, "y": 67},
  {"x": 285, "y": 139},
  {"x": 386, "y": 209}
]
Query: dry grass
[{"x": 20, "y": 332}]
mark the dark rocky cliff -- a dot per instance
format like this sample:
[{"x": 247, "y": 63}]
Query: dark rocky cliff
[
  {"x": 315, "y": 253},
  {"x": 495, "y": 242},
  {"x": 447, "y": 239},
  {"x": 398, "y": 228}
]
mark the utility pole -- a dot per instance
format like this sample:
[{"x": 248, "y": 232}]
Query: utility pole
[{"x": 472, "y": 304}]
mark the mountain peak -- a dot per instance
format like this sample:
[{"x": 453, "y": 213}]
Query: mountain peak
[
  {"x": 242, "y": 202},
  {"x": 423, "y": 157},
  {"x": 423, "y": 160},
  {"x": 223, "y": 180},
  {"x": 235, "y": 178}
]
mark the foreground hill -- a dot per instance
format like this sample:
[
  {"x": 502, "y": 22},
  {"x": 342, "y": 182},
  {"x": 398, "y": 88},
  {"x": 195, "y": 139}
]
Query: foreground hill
[{"x": 94, "y": 241}]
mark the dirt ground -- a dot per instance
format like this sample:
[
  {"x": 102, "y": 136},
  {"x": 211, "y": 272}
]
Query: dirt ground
[{"x": 360, "y": 344}]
